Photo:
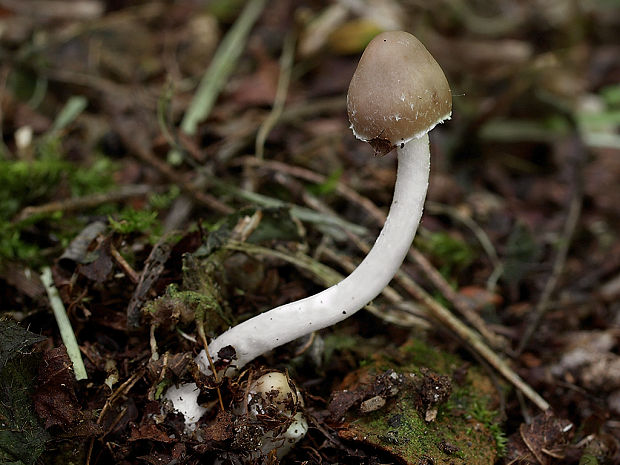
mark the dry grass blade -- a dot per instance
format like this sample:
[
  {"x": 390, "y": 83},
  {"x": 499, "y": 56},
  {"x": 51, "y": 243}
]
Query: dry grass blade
[{"x": 221, "y": 66}]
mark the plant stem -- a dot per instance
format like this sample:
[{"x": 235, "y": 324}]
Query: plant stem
[{"x": 64, "y": 325}]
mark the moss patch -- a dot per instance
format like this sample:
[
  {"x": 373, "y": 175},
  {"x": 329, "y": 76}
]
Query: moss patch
[{"x": 459, "y": 434}]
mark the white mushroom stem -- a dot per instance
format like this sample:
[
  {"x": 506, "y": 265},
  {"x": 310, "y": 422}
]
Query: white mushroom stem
[
  {"x": 185, "y": 401},
  {"x": 283, "y": 324}
]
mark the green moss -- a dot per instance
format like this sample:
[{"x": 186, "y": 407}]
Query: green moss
[
  {"x": 489, "y": 418},
  {"x": 26, "y": 183},
  {"x": 451, "y": 254},
  {"x": 164, "y": 200},
  {"x": 97, "y": 177},
  {"x": 420, "y": 354},
  {"x": 464, "y": 431},
  {"x": 132, "y": 221},
  {"x": 186, "y": 307}
]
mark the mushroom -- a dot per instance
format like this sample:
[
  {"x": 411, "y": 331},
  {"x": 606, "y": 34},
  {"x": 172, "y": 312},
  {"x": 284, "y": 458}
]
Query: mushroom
[
  {"x": 274, "y": 395},
  {"x": 184, "y": 399},
  {"x": 397, "y": 94}
]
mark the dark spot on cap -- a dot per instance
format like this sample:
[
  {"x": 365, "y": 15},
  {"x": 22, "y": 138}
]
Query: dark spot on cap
[{"x": 381, "y": 146}]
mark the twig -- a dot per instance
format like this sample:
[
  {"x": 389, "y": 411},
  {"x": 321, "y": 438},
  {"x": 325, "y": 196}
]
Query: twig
[
  {"x": 116, "y": 420},
  {"x": 306, "y": 344},
  {"x": 458, "y": 301},
  {"x": 64, "y": 325},
  {"x": 286, "y": 65},
  {"x": 312, "y": 176},
  {"x": 315, "y": 204},
  {"x": 200, "y": 325},
  {"x": 444, "y": 316},
  {"x": 304, "y": 214},
  {"x": 129, "y": 139},
  {"x": 81, "y": 203},
  {"x": 121, "y": 390},
  {"x": 126, "y": 267}
]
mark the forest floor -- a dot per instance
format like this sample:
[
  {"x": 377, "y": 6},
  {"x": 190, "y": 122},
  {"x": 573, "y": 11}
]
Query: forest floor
[{"x": 181, "y": 166}]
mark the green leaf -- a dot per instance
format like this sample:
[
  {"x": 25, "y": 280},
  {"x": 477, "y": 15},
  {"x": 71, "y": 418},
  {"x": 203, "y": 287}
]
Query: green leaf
[{"x": 72, "y": 109}]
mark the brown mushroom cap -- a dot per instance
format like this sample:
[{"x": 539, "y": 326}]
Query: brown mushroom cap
[{"x": 398, "y": 92}]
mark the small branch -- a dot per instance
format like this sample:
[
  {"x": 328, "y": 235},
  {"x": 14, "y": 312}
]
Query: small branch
[
  {"x": 203, "y": 338},
  {"x": 82, "y": 203},
  {"x": 133, "y": 276},
  {"x": 64, "y": 325},
  {"x": 128, "y": 135},
  {"x": 304, "y": 214},
  {"x": 457, "y": 300},
  {"x": 314, "y": 177},
  {"x": 286, "y": 65}
]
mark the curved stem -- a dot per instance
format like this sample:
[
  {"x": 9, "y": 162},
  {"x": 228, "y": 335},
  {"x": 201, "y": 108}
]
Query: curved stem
[{"x": 283, "y": 324}]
